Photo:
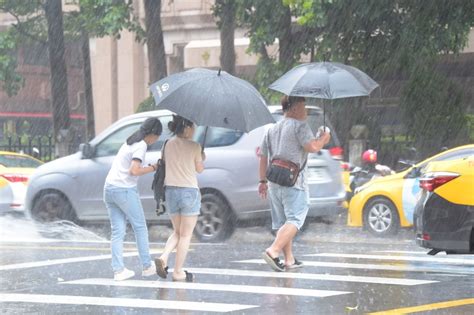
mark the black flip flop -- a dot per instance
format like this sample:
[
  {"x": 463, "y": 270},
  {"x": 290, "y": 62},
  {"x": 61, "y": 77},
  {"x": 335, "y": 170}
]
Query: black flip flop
[
  {"x": 161, "y": 269},
  {"x": 189, "y": 277},
  {"x": 273, "y": 262}
]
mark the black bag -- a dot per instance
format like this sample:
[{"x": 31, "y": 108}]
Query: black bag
[
  {"x": 158, "y": 184},
  {"x": 282, "y": 172}
]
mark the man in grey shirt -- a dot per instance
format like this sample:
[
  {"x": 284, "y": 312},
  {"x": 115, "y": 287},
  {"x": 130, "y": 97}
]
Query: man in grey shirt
[{"x": 290, "y": 139}]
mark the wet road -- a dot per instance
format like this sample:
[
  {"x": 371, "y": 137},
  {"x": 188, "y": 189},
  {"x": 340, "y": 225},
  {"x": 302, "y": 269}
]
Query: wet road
[{"x": 346, "y": 272}]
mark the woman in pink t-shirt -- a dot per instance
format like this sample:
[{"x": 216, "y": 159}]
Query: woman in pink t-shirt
[{"x": 183, "y": 160}]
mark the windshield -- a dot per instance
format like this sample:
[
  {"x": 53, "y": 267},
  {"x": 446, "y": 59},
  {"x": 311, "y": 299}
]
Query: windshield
[{"x": 8, "y": 160}]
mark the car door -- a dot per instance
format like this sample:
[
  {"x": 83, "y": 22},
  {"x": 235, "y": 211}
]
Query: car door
[{"x": 91, "y": 173}]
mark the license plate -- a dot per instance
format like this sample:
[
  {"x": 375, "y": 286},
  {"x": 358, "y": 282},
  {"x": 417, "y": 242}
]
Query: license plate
[{"x": 317, "y": 174}]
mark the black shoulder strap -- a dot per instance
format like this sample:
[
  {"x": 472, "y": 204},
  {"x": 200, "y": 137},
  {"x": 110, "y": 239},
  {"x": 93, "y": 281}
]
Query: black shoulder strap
[
  {"x": 269, "y": 145},
  {"x": 163, "y": 150},
  {"x": 305, "y": 161}
]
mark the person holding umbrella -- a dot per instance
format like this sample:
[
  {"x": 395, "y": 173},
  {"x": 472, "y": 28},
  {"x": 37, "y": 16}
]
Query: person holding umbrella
[
  {"x": 289, "y": 140},
  {"x": 184, "y": 159},
  {"x": 123, "y": 202}
]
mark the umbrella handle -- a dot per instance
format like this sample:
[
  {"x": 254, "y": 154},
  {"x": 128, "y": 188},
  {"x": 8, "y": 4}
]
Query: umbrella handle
[
  {"x": 204, "y": 139},
  {"x": 324, "y": 115}
]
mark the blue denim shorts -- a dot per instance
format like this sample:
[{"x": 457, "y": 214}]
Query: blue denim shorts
[
  {"x": 183, "y": 200},
  {"x": 289, "y": 205}
]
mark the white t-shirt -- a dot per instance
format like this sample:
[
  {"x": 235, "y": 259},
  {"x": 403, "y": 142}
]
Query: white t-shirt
[{"x": 119, "y": 174}]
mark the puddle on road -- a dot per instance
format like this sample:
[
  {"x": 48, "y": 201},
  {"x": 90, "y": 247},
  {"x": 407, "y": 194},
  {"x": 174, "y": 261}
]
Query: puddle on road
[{"x": 20, "y": 229}]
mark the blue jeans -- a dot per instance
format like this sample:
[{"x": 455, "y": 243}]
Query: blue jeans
[
  {"x": 183, "y": 200},
  {"x": 289, "y": 205},
  {"x": 124, "y": 204}
]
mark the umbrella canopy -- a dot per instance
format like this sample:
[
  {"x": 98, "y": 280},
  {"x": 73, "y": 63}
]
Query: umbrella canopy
[
  {"x": 326, "y": 80},
  {"x": 212, "y": 98}
]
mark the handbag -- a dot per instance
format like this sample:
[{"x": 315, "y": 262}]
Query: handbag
[
  {"x": 282, "y": 172},
  {"x": 158, "y": 184}
]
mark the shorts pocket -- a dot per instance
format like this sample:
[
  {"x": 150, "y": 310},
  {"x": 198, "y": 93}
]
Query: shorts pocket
[{"x": 190, "y": 197}]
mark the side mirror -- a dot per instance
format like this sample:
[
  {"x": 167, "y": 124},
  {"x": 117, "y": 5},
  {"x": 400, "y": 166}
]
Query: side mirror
[
  {"x": 87, "y": 150},
  {"x": 413, "y": 173}
]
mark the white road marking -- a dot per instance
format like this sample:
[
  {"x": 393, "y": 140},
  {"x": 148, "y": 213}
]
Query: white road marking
[
  {"x": 458, "y": 261},
  {"x": 123, "y": 302},
  {"x": 308, "y": 276},
  {"x": 391, "y": 267},
  {"x": 210, "y": 287},
  {"x": 66, "y": 261}
]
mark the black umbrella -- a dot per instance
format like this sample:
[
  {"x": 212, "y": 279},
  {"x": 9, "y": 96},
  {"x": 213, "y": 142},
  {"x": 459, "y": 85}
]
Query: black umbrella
[
  {"x": 212, "y": 98},
  {"x": 325, "y": 80}
]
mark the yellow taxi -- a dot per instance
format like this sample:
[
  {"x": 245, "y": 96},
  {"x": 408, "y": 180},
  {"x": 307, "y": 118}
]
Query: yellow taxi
[
  {"x": 385, "y": 204},
  {"x": 444, "y": 214},
  {"x": 15, "y": 171}
]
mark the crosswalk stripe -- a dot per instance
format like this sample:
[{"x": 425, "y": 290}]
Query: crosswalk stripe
[
  {"x": 66, "y": 261},
  {"x": 309, "y": 276},
  {"x": 209, "y": 287},
  {"x": 406, "y": 268},
  {"x": 458, "y": 261},
  {"x": 123, "y": 302}
]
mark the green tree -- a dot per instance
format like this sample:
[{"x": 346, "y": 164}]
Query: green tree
[
  {"x": 225, "y": 11},
  {"x": 95, "y": 18},
  {"x": 154, "y": 39},
  {"x": 384, "y": 38}
]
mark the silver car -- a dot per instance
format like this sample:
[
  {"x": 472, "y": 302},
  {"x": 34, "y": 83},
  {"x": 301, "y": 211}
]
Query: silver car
[{"x": 70, "y": 188}]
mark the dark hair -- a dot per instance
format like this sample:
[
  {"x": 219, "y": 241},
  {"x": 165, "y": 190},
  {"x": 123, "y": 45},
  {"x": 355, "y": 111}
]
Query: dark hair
[
  {"x": 288, "y": 101},
  {"x": 178, "y": 124},
  {"x": 150, "y": 126}
]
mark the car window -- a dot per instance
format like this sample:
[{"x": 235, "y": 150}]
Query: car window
[
  {"x": 458, "y": 154},
  {"x": 9, "y": 160},
  {"x": 217, "y": 137},
  {"x": 315, "y": 120},
  {"x": 165, "y": 135},
  {"x": 111, "y": 144}
]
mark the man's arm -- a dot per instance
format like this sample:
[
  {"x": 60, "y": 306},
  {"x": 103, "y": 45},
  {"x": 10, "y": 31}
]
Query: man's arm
[
  {"x": 317, "y": 144},
  {"x": 262, "y": 171}
]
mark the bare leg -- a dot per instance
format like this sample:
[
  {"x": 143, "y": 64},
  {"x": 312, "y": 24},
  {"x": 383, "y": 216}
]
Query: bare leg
[
  {"x": 283, "y": 240},
  {"x": 172, "y": 241},
  {"x": 288, "y": 252},
  {"x": 185, "y": 233}
]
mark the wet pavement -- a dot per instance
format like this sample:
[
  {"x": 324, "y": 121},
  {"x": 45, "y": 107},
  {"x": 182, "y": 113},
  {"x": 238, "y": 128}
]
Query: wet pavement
[{"x": 346, "y": 271}]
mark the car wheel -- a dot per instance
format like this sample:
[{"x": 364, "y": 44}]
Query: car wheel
[
  {"x": 381, "y": 217},
  {"x": 52, "y": 206},
  {"x": 216, "y": 222}
]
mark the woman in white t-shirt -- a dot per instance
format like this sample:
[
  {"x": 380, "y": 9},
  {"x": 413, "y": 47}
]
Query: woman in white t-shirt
[
  {"x": 123, "y": 202},
  {"x": 183, "y": 160}
]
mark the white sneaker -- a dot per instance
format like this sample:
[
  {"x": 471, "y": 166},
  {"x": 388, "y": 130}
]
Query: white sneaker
[
  {"x": 123, "y": 275},
  {"x": 150, "y": 271}
]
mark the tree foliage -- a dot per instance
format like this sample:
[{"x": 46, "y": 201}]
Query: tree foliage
[{"x": 385, "y": 38}]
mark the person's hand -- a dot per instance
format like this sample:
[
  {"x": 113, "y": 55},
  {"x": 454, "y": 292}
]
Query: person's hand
[
  {"x": 326, "y": 137},
  {"x": 263, "y": 190}
]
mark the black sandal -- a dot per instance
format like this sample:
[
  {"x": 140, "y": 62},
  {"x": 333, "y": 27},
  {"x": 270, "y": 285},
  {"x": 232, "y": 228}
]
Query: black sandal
[
  {"x": 275, "y": 263},
  {"x": 161, "y": 269},
  {"x": 188, "y": 278}
]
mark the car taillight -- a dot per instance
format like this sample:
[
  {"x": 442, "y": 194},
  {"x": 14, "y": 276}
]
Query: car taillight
[
  {"x": 15, "y": 178},
  {"x": 336, "y": 153},
  {"x": 345, "y": 166},
  {"x": 431, "y": 181}
]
